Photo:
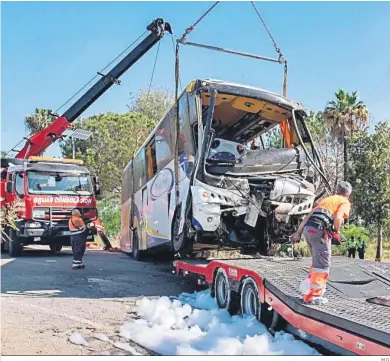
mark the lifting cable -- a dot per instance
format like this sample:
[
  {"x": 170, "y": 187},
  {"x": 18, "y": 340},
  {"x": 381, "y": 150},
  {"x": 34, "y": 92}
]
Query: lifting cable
[
  {"x": 154, "y": 68},
  {"x": 183, "y": 40},
  {"x": 55, "y": 113}
]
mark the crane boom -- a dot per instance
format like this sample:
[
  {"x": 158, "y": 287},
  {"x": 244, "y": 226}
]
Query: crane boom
[{"x": 39, "y": 142}]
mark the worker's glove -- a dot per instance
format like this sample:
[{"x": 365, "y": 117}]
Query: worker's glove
[
  {"x": 337, "y": 238},
  {"x": 91, "y": 225}
]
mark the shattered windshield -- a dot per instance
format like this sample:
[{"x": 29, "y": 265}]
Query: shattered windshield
[{"x": 58, "y": 183}]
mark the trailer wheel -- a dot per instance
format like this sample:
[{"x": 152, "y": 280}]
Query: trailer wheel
[
  {"x": 250, "y": 303},
  {"x": 14, "y": 247},
  {"x": 55, "y": 247},
  {"x": 226, "y": 298}
]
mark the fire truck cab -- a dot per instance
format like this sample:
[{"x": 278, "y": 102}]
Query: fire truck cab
[{"x": 44, "y": 191}]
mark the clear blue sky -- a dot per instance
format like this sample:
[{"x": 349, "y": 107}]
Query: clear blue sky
[{"x": 50, "y": 49}]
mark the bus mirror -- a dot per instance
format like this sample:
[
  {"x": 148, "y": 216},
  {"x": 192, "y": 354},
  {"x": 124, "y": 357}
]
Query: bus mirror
[
  {"x": 95, "y": 179},
  {"x": 10, "y": 187}
]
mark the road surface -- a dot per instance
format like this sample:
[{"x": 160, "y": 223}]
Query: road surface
[{"x": 44, "y": 301}]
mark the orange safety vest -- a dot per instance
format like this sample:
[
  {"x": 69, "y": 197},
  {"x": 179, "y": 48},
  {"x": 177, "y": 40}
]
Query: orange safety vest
[{"x": 76, "y": 225}]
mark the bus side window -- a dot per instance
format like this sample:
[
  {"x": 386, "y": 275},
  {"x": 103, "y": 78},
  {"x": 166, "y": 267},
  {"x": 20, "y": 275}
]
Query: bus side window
[
  {"x": 151, "y": 159},
  {"x": 186, "y": 144},
  {"x": 140, "y": 177},
  {"x": 165, "y": 141}
]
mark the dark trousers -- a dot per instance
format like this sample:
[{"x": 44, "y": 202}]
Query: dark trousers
[
  {"x": 78, "y": 242},
  {"x": 361, "y": 253},
  {"x": 351, "y": 252}
]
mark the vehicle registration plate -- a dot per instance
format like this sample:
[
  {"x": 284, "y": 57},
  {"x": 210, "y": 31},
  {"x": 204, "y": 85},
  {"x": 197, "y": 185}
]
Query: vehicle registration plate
[{"x": 66, "y": 233}]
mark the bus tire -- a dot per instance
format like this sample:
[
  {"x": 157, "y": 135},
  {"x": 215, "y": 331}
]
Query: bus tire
[
  {"x": 180, "y": 243},
  {"x": 250, "y": 303},
  {"x": 137, "y": 254},
  {"x": 55, "y": 247},
  {"x": 14, "y": 248}
]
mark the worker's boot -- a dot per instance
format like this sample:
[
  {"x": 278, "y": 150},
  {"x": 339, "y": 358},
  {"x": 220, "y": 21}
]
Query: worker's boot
[
  {"x": 77, "y": 265},
  {"x": 318, "y": 281}
]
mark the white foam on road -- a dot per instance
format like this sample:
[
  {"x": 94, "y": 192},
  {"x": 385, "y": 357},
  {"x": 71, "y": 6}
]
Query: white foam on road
[
  {"x": 193, "y": 325},
  {"x": 78, "y": 339}
]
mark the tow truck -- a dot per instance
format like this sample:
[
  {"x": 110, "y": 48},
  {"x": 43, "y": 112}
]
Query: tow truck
[{"x": 45, "y": 190}]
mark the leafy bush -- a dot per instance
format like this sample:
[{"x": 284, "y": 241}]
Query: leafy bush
[
  {"x": 110, "y": 215},
  {"x": 353, "y": 230}
]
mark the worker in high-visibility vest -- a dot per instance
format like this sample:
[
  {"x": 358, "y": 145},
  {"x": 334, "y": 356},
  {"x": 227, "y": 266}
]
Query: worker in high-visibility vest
[
  {"x": 320, "y": 229},
  {"x": 361, "y": 247},
  {"x": 351, "y": 245}
]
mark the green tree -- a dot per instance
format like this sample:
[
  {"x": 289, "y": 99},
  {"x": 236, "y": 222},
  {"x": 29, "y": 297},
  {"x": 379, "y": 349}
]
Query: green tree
[
  {"x": 371, "y": 178},
  {"x": 39, "y": 120},
  {"x": 152, "y": 103},
  {"x": 329, "y": 148},
  {"x": 115, "y": 138},
  {"x": 345, "y": 115}
]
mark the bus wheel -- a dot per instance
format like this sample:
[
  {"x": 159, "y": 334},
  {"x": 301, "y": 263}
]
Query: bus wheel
[
  {"x": 180, "y": 242},
  {"x": 55, "y": 247},
  {"x": 14, "y": 248},
  {"x": 250, "y": 304},
  {"x": 137, "y": 254}
]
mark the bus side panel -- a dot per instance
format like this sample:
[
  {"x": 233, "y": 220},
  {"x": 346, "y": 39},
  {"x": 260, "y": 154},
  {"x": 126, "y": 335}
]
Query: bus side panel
[
  {"x": 160, "y": 191},
  {"x": 126, "y": 234},
  {"x": 138, "y": 217}
]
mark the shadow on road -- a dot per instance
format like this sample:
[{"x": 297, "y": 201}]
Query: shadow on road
[{"x": 40, "y": 273}]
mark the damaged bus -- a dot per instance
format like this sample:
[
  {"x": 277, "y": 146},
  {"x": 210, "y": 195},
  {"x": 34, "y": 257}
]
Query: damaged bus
[{"x": 199, "y": 178}]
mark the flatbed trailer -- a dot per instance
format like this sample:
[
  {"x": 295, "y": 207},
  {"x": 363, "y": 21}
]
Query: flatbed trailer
[{"x": 355, "y": 321}]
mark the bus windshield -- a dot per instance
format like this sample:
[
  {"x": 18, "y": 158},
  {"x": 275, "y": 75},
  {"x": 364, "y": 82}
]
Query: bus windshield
[{"x": 58, "y": 183}]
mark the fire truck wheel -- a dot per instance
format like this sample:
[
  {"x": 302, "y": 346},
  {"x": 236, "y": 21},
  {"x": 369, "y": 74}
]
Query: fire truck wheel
[
  {"x": 55, "y": 247},
  {"x": 14, "y": 248}
]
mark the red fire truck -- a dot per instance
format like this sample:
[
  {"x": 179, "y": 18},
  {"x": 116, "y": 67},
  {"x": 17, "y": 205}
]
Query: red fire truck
[{"x": 44, "y": 190}]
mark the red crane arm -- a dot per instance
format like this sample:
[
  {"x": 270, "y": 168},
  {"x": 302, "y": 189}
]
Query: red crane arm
[{"x": 40, "y": 141}]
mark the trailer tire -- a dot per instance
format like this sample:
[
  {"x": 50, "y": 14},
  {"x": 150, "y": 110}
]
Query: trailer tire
[
  {"x": 14, "y": 247},
  {"x": 55, "y": 247},
  {"x": 226, "y": 298},
  {"x": 250, "y": 303}
]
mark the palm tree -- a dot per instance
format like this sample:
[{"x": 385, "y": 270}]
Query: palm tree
[
  {"x": 39, "y": 120},
  {"x": 345, "y": 115}
]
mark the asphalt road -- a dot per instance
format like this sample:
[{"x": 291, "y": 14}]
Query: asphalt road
[{"x": 43, "y": 301}]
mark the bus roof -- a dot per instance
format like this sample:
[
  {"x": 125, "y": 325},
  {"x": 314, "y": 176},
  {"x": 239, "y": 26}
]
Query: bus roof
[{"x": 249, "y": 91}]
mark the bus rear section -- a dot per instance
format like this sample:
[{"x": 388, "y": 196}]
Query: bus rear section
[{"x": 246, "y": 174}]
